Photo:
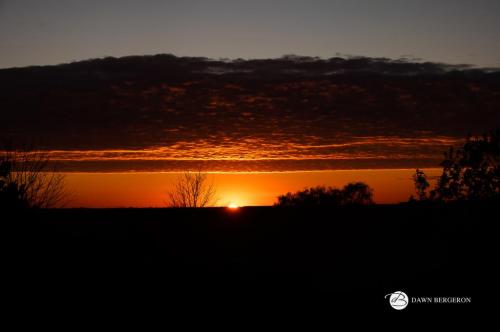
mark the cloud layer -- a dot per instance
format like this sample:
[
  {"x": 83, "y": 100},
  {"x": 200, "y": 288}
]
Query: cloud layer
[{"x": 167, "y": 113}]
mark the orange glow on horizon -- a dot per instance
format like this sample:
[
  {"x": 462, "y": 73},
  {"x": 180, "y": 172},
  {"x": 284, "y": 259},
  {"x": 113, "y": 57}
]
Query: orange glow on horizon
[{"x": 239, "y": 189}]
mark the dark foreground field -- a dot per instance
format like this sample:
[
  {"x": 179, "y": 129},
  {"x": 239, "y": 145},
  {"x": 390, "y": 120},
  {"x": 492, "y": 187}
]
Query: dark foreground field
[{"x": 257, "y": 257}]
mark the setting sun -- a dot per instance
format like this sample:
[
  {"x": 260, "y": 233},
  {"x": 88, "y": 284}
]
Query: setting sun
[{"x": 233, "y": 206}]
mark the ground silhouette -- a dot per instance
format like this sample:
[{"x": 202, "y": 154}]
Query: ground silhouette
[{"x": 250, "y": 259}]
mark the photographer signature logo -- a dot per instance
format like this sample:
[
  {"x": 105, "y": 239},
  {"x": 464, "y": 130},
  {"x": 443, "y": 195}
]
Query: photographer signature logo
[{"x": 398, "y": 300}]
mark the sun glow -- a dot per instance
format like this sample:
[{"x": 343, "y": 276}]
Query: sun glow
[
  {"x": 233, "y": 206},
  {"x": 147, "y": 189}
]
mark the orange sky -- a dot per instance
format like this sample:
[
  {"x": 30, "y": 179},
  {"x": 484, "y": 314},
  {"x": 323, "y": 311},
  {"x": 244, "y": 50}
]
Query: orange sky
[{"x": 149, "y": 189}]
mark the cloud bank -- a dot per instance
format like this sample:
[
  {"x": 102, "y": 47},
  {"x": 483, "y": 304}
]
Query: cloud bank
[{"x": 164, "y": 112}]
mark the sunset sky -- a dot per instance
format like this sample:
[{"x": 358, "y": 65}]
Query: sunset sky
[
  {"x": 149, "y": 89},
  {"x": 239, "y": 188}
]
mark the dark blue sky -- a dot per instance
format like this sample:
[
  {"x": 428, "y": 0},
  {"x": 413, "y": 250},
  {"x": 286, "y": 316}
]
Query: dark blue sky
[{"x": 51, "y": 32}]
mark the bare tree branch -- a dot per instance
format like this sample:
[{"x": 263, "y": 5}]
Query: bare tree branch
[
  {"x": 27, "y": 176},
  {"x": 192, "y": 190}
]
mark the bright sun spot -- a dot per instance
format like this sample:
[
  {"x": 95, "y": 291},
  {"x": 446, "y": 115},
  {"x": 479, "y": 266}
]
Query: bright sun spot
[{"x": 233, "y": 206}]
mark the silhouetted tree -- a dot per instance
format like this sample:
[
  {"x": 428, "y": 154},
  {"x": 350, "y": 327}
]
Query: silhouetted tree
[
  {"x": 352, "y": 194},
  {"x": 26, "y": 181},
  {"x": 11, "y": 195},
  {"x": 192, "y": 190},
  {"x": 471, "y": 172},
  {"x": 357, "y": 193},
  {"x": 421, "y": 184}
]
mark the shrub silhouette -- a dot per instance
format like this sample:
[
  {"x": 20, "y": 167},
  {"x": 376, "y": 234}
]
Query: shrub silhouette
[
  {"x": 470, "y": 173},
  {"x": 26, "y": 182},
  {"x": 352, "y": 194}
]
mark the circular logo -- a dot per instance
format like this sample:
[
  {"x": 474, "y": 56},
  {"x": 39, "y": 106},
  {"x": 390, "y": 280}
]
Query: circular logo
[{"x": 398, "y": 300}]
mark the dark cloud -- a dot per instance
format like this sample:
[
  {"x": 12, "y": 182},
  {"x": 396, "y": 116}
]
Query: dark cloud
[{"x": 327, "y": 111}]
